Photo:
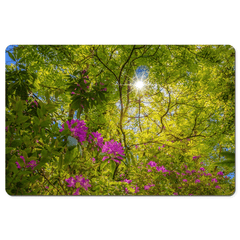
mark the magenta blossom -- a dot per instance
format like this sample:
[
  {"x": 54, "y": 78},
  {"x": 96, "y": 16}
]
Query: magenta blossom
[
  {"x": 152, "y": 164},
  {"x": 217, "y": 187},
  {"x": 32, "y": 164},
  {"x": 79, "y": 131},
  {"x": 22, "y": 159},
  {"x": 136, "y": 189},
  {"x": 18, "y": 165},
  {"x": 184, "y": 180},
  {"x": 127, "y": 181},
  {"x": 214, "y": 180},
  {"x": 202, "y": 169},
  {"x": 114, "y": 149},
  {"x": 197, "y": 181},
  {"x": 220, "y": 173},
  {"x": 97, "y": 138},
  {"x": 71, "y": 182},
  {"x": 77, "y": 192},
  {"x": 175, "y": 193}
]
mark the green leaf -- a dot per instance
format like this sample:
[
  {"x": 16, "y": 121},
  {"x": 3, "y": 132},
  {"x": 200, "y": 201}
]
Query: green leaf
[
  {"x": 19, "y": 53},
  {"x": 71, "y": 142},
  {"x": 228, "y": 155},
  {"x": 112, "y": 167},
  {"x": 227, "y": 163},
  {"x": 132, "y": 158},
  {"x": 22, "y": 119},
  {"x": 45, "y": 123},
  {"x": 9, "y": 149},
  {"x": 85, "y": 144},
  {"x": 39, "y": 113},
  {"x": 35, "y": 120},
  {"x": 68, "y": 157},
  {"x": 11, "y": 56},
  {"x": 26, "y": 140},
  {"x": 80, "y": 150},
  {"x": 60, "y": 163},
  {"x": 103, "y": 165},
  {"x": 16, "y": 143}
]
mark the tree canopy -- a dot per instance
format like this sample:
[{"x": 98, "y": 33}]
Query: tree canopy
[{"x": 120, "y": 120}]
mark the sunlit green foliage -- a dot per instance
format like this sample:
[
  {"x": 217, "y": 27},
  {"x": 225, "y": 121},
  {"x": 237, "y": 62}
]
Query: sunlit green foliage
[{"x": 187, "y": 104}]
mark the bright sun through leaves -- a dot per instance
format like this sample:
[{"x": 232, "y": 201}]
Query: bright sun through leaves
[{"x": 139, "y": 84}]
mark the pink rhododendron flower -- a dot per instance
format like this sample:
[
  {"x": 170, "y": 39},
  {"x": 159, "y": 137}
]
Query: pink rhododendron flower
[
  {"x": 127, "y": 181},
  {"x": 184, "y": 180},
  {"x": 220, "y": 173},
  {"x": 149, "y": 170},
  {"x": 79, "y": 131},
  {"x": 146, "y": 187},
  {"x": 77, "y": 192},
  {"x": 18, "y": 166},
  {"x": 105, "y": 157},
  {"x": 197, "y": 181},
  {"x": 136, "y": 189},
  {"x": 22, "y": 159},
  {"x": 71, "y": 182},
  {"x": 32, "y": 164},
  {"x": 218, "y": 187},
  {"x": 175, "y": 193},
  {"x": 214, "y": 180},
  {"x": 97, "y": 138},
  {"x": 162, "y": 168},
  {"x": 72, "y": 92},
  {"x": 152, "y": 164},
  {"x": 114, "y": 149},
  {"x": 202, "y": 169}
]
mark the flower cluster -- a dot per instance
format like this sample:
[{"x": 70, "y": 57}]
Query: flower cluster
[
  {"x": 79, "y": 131},
  {"x": 97, "y": 138},
  {"x": 113, "y": 149},
  {"x": 77, "y": 182},
  {"x": 196, "y": 157},
  {"x": 32, "y": 164}
]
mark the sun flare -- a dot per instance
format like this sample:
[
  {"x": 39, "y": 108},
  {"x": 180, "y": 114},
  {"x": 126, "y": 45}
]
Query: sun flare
[{"x": 139, "y": 84}]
